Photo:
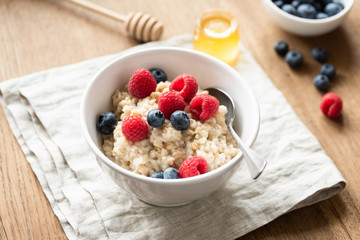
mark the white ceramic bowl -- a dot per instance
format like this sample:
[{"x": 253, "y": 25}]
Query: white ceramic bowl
[
  {"x": 209, "y": 72},
  {"x": 306, "y": 27}
]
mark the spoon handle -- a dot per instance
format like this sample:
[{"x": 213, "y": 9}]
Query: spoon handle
[{"x": 254, "y": 161}]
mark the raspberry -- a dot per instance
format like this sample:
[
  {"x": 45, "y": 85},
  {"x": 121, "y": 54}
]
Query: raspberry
[
  {"x": 169, "y": 102},
  {"x": 204, "y": 106},
  {"x": 142, "y": 83},
  {"x": 186, "y": 85},
  {"x": 331, "y": 105},
  {"x": 193, "y": 166},
  {"x": 134, "y": 128}
]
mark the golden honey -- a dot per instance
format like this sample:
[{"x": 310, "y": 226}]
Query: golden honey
[{"x": 216, "y": 33}]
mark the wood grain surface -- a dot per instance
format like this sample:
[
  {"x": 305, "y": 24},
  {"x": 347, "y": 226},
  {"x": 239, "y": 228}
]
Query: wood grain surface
[{"x": 39, "y": 34}]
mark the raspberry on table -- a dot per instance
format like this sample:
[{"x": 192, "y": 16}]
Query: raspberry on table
[
  {"x": 204, "y": 106},
  {"x": 169, "y": 102},
  {"x": 331, "y": 105},
  {"x": 193, "y": 166},
  {"x": 134, "y": 128},
  {"x": 141, "y": 83},
  {"x": 186, "y": 85}
]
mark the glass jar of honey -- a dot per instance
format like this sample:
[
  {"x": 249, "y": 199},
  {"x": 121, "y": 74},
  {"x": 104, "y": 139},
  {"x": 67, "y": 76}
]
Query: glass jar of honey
[{"x": 216, "y": 33}]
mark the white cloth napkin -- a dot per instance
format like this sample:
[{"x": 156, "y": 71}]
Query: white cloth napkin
[{"x": 43, "y": 112}]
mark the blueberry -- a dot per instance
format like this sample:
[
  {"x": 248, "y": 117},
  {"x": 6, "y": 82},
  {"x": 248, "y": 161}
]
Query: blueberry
[
  {"x": 281, "y": 47},
  {"x": 332, "y": 8},
  {"x": 171, "y": 173},
  {"x": 317, "y": 6},
  {"x": 319, "y": 54},
  {"x": 158, "y": 74},
  {"x": 106, "y": 123},
  {"x": 157, "y": 175},
  {"x": 321, "y": 82},
  {"x": 279, "y": 3},
  {"x": 339, "y": 2},
  {"x": 180, "y": 120},
  {"x": 328, "y": 70},
  {"x": 307, "y": 1},
  {"x": 295, "y": 3},
  {"x": 306, "y": 10},
  {"x": 155, "y": 118},
  {"x": 289, "y": 9},
  {"x": 321, "y": 15},
  {"x": 325, "y": 2},
  {"x": 294, "y": 59}
]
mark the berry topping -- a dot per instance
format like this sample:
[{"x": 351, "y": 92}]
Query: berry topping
[
  {"x": 169, "y": 102},
  {"x": 328, "y": 70},
  {"x": 321, "y": 82},
  {"x": 157, "y": 175},
  {"x": 319, "y": 54},
  {"x": 171, "y": 173},
  {"x": 204, "y": 106},
  {"x": 158, "y": 74},
  {"x": 155, "y": 118},
  {"x": 281, "y": 47},
  {"x": 106, "y": 123},
  {"x": 180, "y": 120},
  {"x": 186, "y": 85},
  {"x": 134, "y": 128},
  {"x": 141, "y": 83},
  {"x": 193, "y": 166},
  {"x": 306, "y": 10},
  {"x": 331, "y": 105},
  {"x": 294, "y": 59}
]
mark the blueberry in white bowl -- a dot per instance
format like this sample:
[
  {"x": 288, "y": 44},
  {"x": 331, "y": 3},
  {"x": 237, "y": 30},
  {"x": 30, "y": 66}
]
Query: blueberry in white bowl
[{"x": 312, "y": 17}]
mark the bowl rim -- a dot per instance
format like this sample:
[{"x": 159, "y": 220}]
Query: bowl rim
[
  {"x": 311, "y": 21},
  {"x": 182, "y": 181}
]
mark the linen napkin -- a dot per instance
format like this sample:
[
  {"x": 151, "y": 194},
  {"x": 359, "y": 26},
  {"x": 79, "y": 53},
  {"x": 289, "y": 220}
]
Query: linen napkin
[{"x": 43, "y": 112}]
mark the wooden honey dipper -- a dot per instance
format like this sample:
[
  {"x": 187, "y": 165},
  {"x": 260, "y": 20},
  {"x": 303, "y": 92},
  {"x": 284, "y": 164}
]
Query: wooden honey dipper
[{"x": 142, "y": 27}]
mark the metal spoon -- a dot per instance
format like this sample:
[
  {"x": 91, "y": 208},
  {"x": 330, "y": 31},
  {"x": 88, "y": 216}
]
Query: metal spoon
[{"x": 255, "y": 163}]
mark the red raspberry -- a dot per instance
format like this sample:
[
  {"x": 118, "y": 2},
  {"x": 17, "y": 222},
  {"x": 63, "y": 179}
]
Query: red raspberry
[
  {"x": 134, "y": 128},
  {"x": 204, "y": 106},
  {"x": 142, "y": 83},
  {"x": 186, "y": 85},
  {"x": 331, "y": 105},
  {"x": 169, "y": 102},
  {"x": 193, "y": 166}
]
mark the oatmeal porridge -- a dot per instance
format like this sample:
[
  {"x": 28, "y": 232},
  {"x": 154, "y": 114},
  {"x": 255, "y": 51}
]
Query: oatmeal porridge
[{"x": 166, "y": 146}]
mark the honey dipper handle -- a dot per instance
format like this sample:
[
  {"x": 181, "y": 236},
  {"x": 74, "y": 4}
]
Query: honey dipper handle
[{"x": 95, "y": 8}]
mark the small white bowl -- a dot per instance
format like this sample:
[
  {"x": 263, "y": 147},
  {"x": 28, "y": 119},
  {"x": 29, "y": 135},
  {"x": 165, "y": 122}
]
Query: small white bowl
[
  {"x": 209, "y": 72},
  {"x": 303, "y": 26}
]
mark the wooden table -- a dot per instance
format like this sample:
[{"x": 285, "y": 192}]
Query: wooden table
[{"x": 40, "y": 34}]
